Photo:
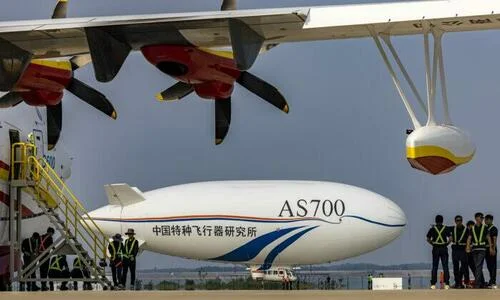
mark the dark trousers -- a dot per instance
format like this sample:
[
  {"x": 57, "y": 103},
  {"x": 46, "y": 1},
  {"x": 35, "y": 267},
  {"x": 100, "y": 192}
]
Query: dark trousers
[
  {"x": 44, "y": 273},
  {"x": 460, "y": 266},
  {"x": 440, "y": 253},
  {"x": 128, "y": 264},
  {"x": 478, "y": 256},
  {"x": 30, "y": 286},
  {"x": 59, "y": 274},
  {"x": 470, "y": 262},
  {"x": 491, "y": 263},
  {"x": 77, "y": 274},
  {"x": 116, "y": 271}
]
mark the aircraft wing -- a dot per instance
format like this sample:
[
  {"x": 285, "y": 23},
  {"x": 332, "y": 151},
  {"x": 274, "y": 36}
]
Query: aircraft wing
[{"x": 67, "y": 37}]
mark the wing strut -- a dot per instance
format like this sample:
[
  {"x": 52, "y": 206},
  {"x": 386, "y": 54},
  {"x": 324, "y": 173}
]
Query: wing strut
[
  {"x": 430, "y": 74},
  {"x": 14, "y": 62},
  {"x": 246, "y": 43}
]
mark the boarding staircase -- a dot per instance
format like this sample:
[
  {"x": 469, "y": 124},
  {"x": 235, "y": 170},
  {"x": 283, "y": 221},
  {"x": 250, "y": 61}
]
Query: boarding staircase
[{"x": 78, "y": 234}]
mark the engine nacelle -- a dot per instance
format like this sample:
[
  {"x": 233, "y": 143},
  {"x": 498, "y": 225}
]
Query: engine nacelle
[{"x": 438, "y": 149}]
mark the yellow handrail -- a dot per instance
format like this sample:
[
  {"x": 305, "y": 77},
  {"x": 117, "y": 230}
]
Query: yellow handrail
[
  {"x": 19, "y": 157},
  {"x": 71, "y": 205},
  {"x": 26, "y": 166}
]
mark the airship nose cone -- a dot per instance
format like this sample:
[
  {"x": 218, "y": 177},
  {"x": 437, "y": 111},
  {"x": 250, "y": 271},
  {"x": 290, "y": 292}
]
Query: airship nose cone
[{"x": 395, "y": 215}]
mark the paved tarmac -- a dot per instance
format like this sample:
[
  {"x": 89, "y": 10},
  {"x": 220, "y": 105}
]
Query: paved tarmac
[{"x": 262, "y": 295}]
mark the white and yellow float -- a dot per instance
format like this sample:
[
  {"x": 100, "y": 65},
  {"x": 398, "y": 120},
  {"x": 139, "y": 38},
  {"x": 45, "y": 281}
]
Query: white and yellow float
[
  {"x": 435, "y": 148},
  {"x": 438, "y": 149}
]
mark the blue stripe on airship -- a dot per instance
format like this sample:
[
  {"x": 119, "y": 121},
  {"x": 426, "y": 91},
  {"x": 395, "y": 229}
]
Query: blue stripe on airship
[
  {"x": 250, "y": 250},
  {"x": 268, "y": 261}
]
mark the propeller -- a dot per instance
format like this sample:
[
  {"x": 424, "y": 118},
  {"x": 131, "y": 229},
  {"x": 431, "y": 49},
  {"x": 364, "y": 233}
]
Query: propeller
[
  {"x": 81, "y": 90},
  {"x": 252, "y": 83},
  {"x": 85, "y": 93}
]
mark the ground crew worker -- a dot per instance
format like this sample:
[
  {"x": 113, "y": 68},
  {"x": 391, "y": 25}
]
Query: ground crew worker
[
  {"x": 131, "y": 248},
  {"x": 370, "y": 281},
  {"x": 478, "y": 242},
  {"x": 491, "y": 260},
  {"x": 29, "y": 247},
  {"x": 115, "y": 249},
  {"x": 45, "y": 242},
  {"x": 437, "y": 236},
  {"x": 80, "y": 271},
  {"x": 470, "y": 260},
  {"x": 459, "y": 237},
  {"x": 59, "y": 269}
]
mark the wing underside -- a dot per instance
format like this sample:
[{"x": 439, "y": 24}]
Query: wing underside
[{"x": 66, "y": 37}]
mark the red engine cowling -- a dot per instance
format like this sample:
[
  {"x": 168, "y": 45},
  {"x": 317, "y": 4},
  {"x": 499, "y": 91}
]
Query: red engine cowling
[
  {"x": 212, "y": 75},
  {"x": 44, "y": 81},
  {"x": 42, "y": 97},
  {"x": 214, "y": 90}
]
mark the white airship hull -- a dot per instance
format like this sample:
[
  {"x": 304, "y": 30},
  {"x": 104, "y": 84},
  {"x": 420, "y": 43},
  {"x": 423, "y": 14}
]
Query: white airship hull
[{"x": 258, "y": 222}]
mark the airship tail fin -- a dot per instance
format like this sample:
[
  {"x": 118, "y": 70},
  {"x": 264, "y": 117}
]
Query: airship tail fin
[{"x": 122, "y": 194}]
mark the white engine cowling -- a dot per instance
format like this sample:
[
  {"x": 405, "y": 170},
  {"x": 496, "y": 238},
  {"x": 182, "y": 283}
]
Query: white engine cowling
[{"x": 438, "y": 149}]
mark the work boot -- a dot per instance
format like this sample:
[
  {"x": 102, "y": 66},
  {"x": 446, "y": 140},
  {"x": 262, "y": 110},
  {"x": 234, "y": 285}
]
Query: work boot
[
  {"x": 34, "y": 288},
  {"x": 64, "y": 287}
]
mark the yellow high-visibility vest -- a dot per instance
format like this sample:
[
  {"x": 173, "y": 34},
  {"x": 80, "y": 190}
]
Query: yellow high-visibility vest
[
  {"x": 440, "y": 239},
  {"x": 481, "y": 241}
]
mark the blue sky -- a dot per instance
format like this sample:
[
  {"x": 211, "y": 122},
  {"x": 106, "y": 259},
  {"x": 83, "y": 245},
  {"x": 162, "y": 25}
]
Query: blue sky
[{"x": 346, "y": 124}]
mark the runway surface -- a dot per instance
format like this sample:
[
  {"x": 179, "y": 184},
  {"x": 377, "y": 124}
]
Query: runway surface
[{"x": 263, "y": 295}]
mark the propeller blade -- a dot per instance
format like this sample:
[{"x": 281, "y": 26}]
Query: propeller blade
[
  {"x": 264, "y": 90},
  {"x": 10, "y": 100},
  {"x": 175, "y": 92},
  {"x": 54, "y": 124},
  {"x": 228, "y": 5},
  {"x": 222, "y": 119},
  {"x": 60, "y": 10},
  {"x": 91, "y": 96},
  {"x": 79, "y": 61}
]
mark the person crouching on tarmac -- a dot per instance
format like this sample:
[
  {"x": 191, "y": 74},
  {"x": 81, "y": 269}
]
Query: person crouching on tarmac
[
  {"x": 459, "y": 237},
  {"x": 59, "y": 269},
  {"x": 491, "y": 259},
  {"x": 437, "y": 236},
  {"x": 477, "y": 243},
  {"x": 115, "y": 249},
  {"x": 131, "y": 248},
  {"x": 80, "y": 271}
]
